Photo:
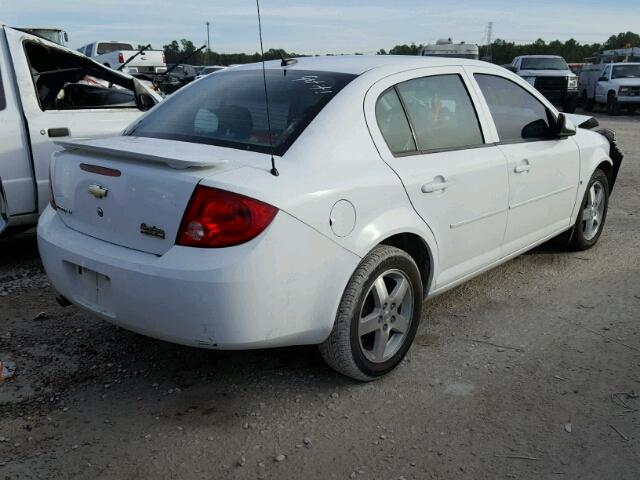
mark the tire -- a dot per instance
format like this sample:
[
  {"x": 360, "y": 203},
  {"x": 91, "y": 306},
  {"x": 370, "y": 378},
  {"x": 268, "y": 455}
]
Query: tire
[
  {"x": 350, "y": 350},
  {"x": 582, "y": 237},
  {"x": 613, "y": 107},
  {"x": 569, "y": 105},
  {"x": 587, "y": 102}
]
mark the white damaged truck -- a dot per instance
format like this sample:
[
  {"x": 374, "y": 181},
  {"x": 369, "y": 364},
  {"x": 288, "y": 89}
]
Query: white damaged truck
[{"x": 49, "y": 93}]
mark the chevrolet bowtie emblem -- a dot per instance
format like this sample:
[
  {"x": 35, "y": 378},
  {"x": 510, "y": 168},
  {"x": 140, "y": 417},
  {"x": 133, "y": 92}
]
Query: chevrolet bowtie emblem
[{"x": 98, "y": 191}]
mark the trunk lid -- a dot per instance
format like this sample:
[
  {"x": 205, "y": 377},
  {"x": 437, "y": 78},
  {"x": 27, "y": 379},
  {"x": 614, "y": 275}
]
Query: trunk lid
[{"x": 131, "y": 191}]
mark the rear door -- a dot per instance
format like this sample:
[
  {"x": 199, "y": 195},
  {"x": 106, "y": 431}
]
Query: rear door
[
  {"x": 543, "y": 170},
  {"x": 428, "y": 131},
  {"x": 47, "y": 124}
]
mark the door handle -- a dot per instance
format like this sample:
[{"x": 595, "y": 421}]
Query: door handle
[
  {"x": 439, "y": 184},
  {"x": 523, "y": 167},
  {"x": 58, "y": 132}
]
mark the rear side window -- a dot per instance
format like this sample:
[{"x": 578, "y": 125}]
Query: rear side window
[
  {"x": 229, "y": 108},
  {"x": 441, "y": 112},
  {"x": 393, "y": 123},
  {"x": 107, "y": 47},
  {"x": 517, "y": 114}
]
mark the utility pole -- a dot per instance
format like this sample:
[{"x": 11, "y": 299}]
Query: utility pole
[
  {"x": 208, "y": 45},
  {"x": 489, "y": 40}
]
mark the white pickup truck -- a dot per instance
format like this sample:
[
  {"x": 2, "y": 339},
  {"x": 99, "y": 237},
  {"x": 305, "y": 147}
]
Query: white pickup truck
[
  {"x": 615, "y": 85},
  {"x": 113, "y": 54},
  {"x": 551, "y": 76},
  {"x": 50, "y": 93}
]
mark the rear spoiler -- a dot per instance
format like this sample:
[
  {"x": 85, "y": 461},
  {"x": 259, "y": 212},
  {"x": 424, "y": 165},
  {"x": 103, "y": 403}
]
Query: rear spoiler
[{"x": 177, "y": 155}]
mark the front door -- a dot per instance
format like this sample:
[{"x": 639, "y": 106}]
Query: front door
[
  {"x": 543, "y": 170},
  {"x": 431, "y": 135}
]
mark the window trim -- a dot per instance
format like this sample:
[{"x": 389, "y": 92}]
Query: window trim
[
  {"x": 3, "y": 98},
  {"x": 520, "y": 140},
  {"x": 428, "y": 151}
]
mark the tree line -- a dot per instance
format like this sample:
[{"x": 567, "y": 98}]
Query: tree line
[{"x": 500, "y": 51}]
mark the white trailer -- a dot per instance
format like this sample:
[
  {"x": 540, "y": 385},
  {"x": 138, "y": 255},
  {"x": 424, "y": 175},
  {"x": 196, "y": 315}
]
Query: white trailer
[{"x": 446, "y": 48}]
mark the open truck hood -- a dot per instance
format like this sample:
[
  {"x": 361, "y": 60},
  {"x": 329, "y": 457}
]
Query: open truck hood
[{"x": 93, "y": 68}]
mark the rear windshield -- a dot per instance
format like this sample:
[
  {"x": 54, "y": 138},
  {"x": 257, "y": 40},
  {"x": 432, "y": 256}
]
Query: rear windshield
[
  {"x": 229, "y": 109},
  {"x": 626, "y": 71},
  {"x": 551, "y": 63},
  {"x": 112, "y": 47}
]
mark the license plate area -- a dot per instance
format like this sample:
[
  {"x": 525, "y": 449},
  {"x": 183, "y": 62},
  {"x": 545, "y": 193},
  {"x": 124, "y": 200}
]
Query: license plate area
[{"x": 91, "y": 289}]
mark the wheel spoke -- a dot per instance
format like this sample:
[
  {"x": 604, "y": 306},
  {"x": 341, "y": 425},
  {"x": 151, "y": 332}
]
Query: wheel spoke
[
  {"x": 592, "y": 195},
  {"x": 369, "y": 324},
  {"x": 401, "y": 324},
  {"x": 399, "y": 292},
  {"x": 598, "y": 198},
  {"x": 380, "y": 292},
  {"x": 586, "y": 214},
  {"x": 588, "y": 229},
  {"x": 380, "y": 344}
]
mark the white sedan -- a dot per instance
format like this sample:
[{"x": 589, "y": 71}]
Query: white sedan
[{"x": 399, "y": 178}]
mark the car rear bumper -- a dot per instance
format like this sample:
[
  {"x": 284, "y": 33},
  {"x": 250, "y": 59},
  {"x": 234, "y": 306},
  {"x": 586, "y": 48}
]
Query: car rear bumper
[{"x": 282, "y": 288}]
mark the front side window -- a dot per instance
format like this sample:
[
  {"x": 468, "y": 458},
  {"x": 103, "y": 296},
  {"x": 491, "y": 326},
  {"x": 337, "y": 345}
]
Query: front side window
[
  {"x": 517, "y": 114},
  {"x": 441, "y": 112},
  {"x": 393, "y": 123},
  {"x": 229, "y": 109},
  {"x": 626, "y": 71}
]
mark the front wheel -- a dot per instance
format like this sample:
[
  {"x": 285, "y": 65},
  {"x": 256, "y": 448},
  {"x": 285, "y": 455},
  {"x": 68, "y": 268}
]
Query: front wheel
[
  {"x": 378, "y": 316},
  {"x": 593, "y": 213},
  {"x": 569, "y": 105},
  {"x": 613, "y": 107}
]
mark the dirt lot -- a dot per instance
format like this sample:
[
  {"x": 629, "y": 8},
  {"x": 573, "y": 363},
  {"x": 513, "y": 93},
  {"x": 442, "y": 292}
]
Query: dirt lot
[{"x": 529, "y": 371}]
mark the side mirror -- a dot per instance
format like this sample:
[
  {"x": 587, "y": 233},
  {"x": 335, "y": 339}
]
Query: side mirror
[
  {"x": 564, "y": 127},
  {"x": 144, "y": 99},
  {"x": 603, "y": 79},
  {"x": 66, "y": 37}
]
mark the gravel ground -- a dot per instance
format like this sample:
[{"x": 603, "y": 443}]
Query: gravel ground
[{"x": 528, "y": 371}]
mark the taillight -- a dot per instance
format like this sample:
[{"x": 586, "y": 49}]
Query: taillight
[
  {"x": 217, "y": 218},
  {"x": 120, "y": 57},
  {"x": 52, "y": 199}
]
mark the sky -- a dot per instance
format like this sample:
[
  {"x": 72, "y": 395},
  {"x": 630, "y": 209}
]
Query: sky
[{"x": 324, "y": 26}]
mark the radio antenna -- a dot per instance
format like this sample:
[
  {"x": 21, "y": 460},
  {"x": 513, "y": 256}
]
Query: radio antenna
[{"x": 274, "y": 170}]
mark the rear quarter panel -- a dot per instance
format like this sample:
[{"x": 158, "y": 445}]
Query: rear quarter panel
[{"x": 335, "y": 159}]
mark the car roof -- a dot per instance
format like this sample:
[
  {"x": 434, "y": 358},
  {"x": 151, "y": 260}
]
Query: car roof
[{"x": 358, "y": 64}]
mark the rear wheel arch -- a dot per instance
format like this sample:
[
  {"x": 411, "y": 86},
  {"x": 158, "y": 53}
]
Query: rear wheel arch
[{"x": 419, "y": 251}]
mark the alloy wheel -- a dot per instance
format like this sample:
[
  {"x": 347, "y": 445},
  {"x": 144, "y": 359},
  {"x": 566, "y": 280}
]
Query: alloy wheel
[
  {"x": 385, "y": 316},
  {"x": 593, "y": 211}
]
